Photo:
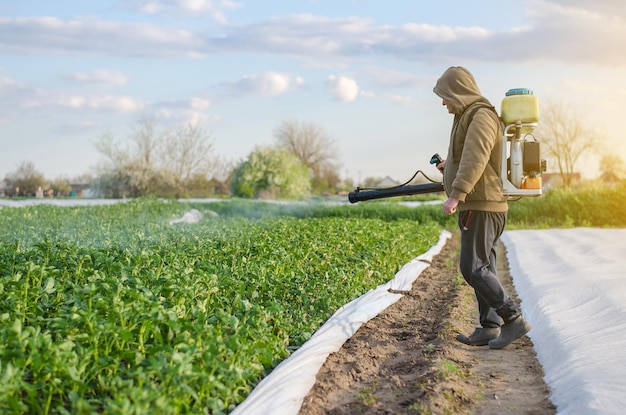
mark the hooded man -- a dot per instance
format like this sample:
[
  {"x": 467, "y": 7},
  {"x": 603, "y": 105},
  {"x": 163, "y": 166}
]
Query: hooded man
[{"x": 474, "y": 189}]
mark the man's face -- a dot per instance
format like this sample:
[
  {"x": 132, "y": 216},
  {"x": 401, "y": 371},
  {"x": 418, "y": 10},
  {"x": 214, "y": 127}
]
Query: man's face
[{"x": 445, "y": 104}]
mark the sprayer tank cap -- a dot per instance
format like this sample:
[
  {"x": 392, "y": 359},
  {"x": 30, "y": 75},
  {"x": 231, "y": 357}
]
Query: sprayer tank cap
[{"x": 519, "y": 91}]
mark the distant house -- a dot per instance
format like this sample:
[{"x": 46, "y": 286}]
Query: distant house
[
  {"x": 80, "y": 189},
  {"x": 387, "y": 182},
  {"x": 6, "y": 189}
]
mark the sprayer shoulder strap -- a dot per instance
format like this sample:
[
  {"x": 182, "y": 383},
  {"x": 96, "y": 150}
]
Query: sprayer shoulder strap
[{"x": 464, "y": 122}]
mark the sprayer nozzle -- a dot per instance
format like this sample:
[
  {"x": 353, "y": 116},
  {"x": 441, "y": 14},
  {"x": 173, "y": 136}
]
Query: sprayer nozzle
[{"x": 436, "y": 159}]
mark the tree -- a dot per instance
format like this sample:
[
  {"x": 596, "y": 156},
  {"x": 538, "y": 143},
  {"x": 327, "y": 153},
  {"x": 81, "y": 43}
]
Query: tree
[
  {"x": 271, "y": 172},
  {"x": 148, "y": 144},
  {"x": 26, "y": 179},
  {"x": 60, "y": 186},
  {"x": 187, "y": 155},
  {"x": 222, "y": 175},
  {"x": 327, "y": 180},
  {"x": 346, "y": 185},
  {"x": 128, "y": 180},
  {"x": 144, "y": 146},
  {"x": 129, "y": 168},
  {"x": 565, "y": 137},
  {"x": 314, "y": 147},
  {"x": 153, "y": 163},
  {"x": 612, "y": 168}
]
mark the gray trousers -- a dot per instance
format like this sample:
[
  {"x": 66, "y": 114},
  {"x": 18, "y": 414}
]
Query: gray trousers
[{"x": 480, "y": 233}]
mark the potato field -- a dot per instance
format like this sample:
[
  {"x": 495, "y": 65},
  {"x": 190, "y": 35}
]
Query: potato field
[{"x": 112, "y": 309}]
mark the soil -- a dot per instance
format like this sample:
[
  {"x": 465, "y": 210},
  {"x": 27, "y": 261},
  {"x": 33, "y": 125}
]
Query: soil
[{"x": 407, "y": 360}]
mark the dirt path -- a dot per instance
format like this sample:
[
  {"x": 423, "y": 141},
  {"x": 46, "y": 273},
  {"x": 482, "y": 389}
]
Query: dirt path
[{"x": 407, "y": 361}]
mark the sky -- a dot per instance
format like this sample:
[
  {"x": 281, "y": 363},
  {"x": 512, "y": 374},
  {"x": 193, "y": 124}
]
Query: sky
[{"x": 363, "y": 71}]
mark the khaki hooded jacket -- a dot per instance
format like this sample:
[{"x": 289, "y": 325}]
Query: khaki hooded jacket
[{"x": 471, "y": 172}]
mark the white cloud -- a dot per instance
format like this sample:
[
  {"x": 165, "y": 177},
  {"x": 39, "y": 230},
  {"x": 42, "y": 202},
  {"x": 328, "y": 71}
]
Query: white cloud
[
  {"x": 396, "y": 99},
  {"x": 598, "y": 9},
  {"x": 197, "y": 118},
  {"x": 193, "y": 111},
  {"x": 305, "y": 35},
  {"x": 99, "y": 77},
  {"x": 117, "y": 103},
  {"x": 207, "y": 5},
  {"x": 150, "y": 7},
  {"x": 389, "y": 78},
  {"x": 93, "y": 36},
  {"x": 199, "y": 103},
  {"x": 181, "y": 117},
  {"x": 268, "y": 84},
  {"x": 578, "y": 32},
  {"x": 556, "y": 31},
  {"x": 216, "y": 9},
  {"x": 195, "y": 103},
  {"x": 342, "y": 88},
  {"x": 7, "y": 84},
  {"x": 23, "y": 97},
  {"x": 121, "y": 104},
  {"x": 18, "y": 96},
  {"x": 76, "y": 102}
]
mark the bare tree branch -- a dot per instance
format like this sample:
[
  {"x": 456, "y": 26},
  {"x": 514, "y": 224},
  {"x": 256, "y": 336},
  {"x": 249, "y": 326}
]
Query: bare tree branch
[
  {"x": 566, "y": 138},
  {"x": 313, "y": 146},
  {"x": 187, "y": 153}
]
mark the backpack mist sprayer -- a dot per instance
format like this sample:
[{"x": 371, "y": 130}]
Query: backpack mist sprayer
[
  {"x": 521, "y": 174},
  {"x": 521, "y": 171}
]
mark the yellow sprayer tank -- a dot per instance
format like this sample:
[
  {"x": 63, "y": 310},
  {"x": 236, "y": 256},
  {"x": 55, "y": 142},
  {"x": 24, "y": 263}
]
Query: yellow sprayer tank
[{"x": 520, "y": 104}]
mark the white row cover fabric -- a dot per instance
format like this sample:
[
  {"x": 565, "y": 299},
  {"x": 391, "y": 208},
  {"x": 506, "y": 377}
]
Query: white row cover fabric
[
  {"x": 572, "y": 284},
  {"x": 284, "y": 389}
]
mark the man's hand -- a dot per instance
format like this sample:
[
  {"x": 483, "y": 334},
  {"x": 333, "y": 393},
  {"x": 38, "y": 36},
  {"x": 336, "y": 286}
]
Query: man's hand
[
  {"x": 449, "y": 206},
  {"x": 441, "y": 166}
]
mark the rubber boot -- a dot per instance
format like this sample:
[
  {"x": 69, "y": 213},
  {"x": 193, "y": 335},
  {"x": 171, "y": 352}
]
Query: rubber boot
[
  {"x": 480, "y": 336},
  {"x": 511, "y": 330}
]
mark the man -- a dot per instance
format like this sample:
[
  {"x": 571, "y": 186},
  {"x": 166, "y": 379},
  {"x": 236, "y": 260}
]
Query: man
[{"x": 474, "y": 189}]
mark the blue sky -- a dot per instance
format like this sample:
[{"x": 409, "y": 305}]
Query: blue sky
[{"x": 363, "y": 71}]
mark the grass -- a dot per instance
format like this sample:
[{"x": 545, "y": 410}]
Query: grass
[{"x": 447, "y": 369}]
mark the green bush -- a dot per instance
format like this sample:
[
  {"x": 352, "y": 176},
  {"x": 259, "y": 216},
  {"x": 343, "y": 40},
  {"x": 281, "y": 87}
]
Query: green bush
[
  {"x": 590, "y": 206},
  {"x": 270, "y": 173}
]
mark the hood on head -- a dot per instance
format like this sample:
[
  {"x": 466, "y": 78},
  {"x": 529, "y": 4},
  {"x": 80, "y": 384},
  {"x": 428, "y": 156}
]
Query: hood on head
[{"x": 458, "y": 88}]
